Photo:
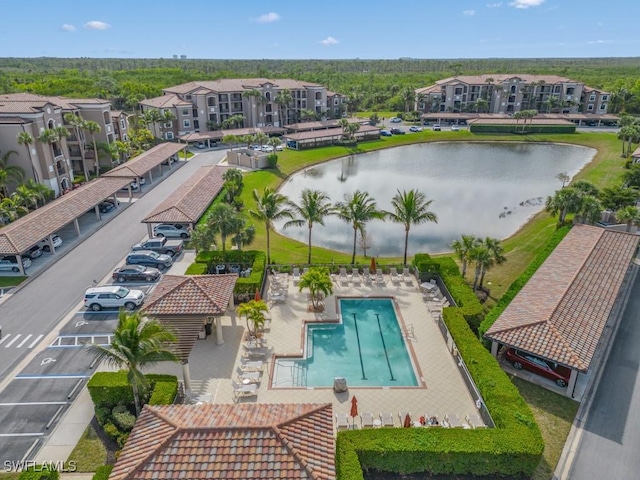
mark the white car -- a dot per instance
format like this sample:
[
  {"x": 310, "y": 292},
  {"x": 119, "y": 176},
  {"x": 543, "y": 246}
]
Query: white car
[
  {"x": 170, "y": 231},
  {"x": 10, "y": 264},
  {"x": 415, "y": 129},
  {"x": 266, "y": 148},
  {"x": 279, "y": 148},
  {"x": 395, "y": 120},
  {"x": 455, "y": 128},
  {"x": 112, "y": 296},
  {"x": 44, "y": 243}
]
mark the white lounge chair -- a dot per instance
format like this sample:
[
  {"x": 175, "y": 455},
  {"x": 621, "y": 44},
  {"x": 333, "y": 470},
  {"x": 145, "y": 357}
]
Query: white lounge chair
[
  {"x": 243, "y": 391},
  {"x": 252, "y": 366},
  {"x": 379, "y": 277},
  {"x": 395, "y": 278},
  {"x": 406, "y": 275},
  {"x": 366, "y": 420},
  {"x": 342, "y": 421},
  {"x": 247, "y": 378},
  {"x": 296, "y": 275},
  {"x": 475, "y": 421},
  {"x": 344, "y": 280},
  {"x": 366, "y": 275},
  {"x": 453, "y": 421},
  {"x": 355, "y": 277},
  {"x": 387, "y": 419}
]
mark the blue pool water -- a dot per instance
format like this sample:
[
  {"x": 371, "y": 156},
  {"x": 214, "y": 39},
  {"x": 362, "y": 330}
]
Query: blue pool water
[{"x": 368, "y": 350}]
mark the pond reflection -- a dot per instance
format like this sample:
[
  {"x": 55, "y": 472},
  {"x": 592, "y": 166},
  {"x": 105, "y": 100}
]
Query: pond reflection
[{"x": 484, "y": 189}]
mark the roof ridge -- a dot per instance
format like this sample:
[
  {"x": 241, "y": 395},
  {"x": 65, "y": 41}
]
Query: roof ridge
[
  {"x": 577, "y": 359},
  {"x": 181, "y": 279},
  {"x": 289, "y": 445}
]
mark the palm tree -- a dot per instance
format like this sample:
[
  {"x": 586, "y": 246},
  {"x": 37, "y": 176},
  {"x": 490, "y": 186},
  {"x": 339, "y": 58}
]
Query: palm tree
[
  {"x": 77, "y": 122},
  {"x": 253, "y": 311},
  {"x": 590, "y": 209},
  {"x": 462, "y": 248},
  {"x": 245, "y": 236},
  {"x": 25, "y": 196},
  {"x": 152, "y": 117},
  {"x": 314, "y": 207},
  {"x": 9, "y": 174},
  {"x": 253, "y": 96},
  {"x": 629, "y": 215},
  {"x": 202, "y": 238},
  {"x": 410, "y": 208},
  {"x": 319, "y": 283},
  {"x": 51, "y": 137},
  {"x": 137, "y": 342},
  {"x": 26, "y": 139},
  {"x": 93, "y": 128},
  {"x": 223, "y": 219},
  {"x": 482, "y": 258},
  {"x": 165, "y": 117},
  {"x": 357, "y": 209},
  {"x": 564, "y": 201},
  {"x": 282, "y": 100},
  {"x": 496, "y": 250},
  {"x": 564, "y": 178},
  {"x": 11, "y": 209},
  {"x": 233, "y": 182},
  {"x": 270, "y": 207}
]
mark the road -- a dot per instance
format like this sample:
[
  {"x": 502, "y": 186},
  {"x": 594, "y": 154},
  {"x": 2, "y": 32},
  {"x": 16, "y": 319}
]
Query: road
[
  {"x": 49, "y": 379},
  {"x": 610, "y": 441}
]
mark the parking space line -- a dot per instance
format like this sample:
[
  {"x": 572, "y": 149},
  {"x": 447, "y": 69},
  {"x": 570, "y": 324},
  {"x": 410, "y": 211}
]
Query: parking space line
[
  {"x": 9, "y": 435},
  {"x": 4, "y": 338},
  {"x": 26, "y": 339},
  {"x": 16, "y": 337},
  {"x": 47, "y": 377},
  {"x": 21, "y": 404},
  {"x": 33, "y": 344}
]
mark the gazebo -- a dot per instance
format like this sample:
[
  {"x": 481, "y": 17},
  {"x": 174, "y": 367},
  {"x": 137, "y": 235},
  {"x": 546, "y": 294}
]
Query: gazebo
[{"x": 187, "y": 304}]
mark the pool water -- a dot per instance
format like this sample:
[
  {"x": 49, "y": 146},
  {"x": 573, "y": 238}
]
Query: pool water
[{"x": 367, "y": 348}]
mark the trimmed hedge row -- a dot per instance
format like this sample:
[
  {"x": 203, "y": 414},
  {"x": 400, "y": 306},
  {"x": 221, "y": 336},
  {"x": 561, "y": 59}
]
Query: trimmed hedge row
[
  {"x": 102, "y": 472},
  {"x": 108, "y": 389},
  {"x": 165, "y": 389},
  {"x": 517, "y": 129},
  {"x": 521, "y": 281},
  {"x": 513, "y": 448},
  {"x": 39, "y": 473}
]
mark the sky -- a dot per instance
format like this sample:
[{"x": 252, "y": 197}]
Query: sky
[{"x": 325, "y": 29}]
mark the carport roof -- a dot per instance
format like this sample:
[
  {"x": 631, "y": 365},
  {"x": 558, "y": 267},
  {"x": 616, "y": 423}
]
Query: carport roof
[
  {"x": 191, "y": 199},
  {"x": 562, "y": 310},
  {"x": 327, "y": 133},
  {"x": 138, "y": 166},
  {"x": 19, "y": 236}
]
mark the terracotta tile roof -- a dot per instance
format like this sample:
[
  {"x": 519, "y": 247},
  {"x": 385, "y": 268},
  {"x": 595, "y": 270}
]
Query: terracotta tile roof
[
  {"x": 221, "y": 441},
  {"x": 237, "y": 85},
  {"x": 207, "y": 295},
  {"x": 197, "y": 136},
  {"x": 13, "y": 120},
  {"x": 22, "y": 234},
  {"x": 636, "y": 152},
  {"x": 324, "y": 124},
  {"x": 165, "y": 101},
  {"x": 328, "y": 132},
  {"x": 561, "y": 312},
  {"x": 190, "y": 200},
  {"x": 513, "y": 121},
  {"x": 138, "y": 166},
  {"x": 30, "y": 103}
]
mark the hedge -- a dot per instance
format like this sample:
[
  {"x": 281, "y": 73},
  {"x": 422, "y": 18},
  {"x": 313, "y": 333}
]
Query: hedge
[
  {"x": 108, "y": 389},
  {"x": 513, "y": 448},
  {"x": 102, "y": 472},
  {"x": 165, "y": 389},
  {"x": 522, "y": 280},
  {"x": 517, "y": 129},
  {"x": 39, "y": 473}
]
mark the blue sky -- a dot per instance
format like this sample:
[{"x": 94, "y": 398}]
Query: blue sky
[{"x": 325, "y": 29}]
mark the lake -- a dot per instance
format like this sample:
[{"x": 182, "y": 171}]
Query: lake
[{"x": 484, "y": 189}]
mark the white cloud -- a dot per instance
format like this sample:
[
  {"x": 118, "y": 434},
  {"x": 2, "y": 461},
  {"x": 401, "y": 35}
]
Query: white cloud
[
  {"x": 96, "y": 25},
  {"x": 268, "y": 18},
  {"x": 329, "y": 41},
  {"x": 469, "y": 13},
  {"x": 68, "y": 28},
  {"x": 598, "y": 42},
  {"x": 494, "y": 5},
  {"x": 526, "y": 3}
]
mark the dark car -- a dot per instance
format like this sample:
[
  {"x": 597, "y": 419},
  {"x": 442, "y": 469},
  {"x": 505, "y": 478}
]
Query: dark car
[
  {"x": 150, "y": 259},
  {"x": 139, "y": 273},
  {"x": 385, "y": 133},
  {"x": 33, "y": 252},
  {"x": 161, "y": 245},
  {"x": 397, "y": 131},
  {"x": 546, "y": 368},
  {"x": 106, "y": 207}
]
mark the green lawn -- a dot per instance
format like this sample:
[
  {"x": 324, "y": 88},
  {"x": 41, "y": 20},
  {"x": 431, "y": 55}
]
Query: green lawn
[
  {"x": 11, "y": 281},
  {"x": 89, "y": 453}
]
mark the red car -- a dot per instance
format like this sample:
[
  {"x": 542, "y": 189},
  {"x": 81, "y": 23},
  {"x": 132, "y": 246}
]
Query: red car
[{"x": 546, "y": 368}]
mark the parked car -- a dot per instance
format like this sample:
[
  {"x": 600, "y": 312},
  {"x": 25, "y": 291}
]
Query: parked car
[
  {"x": 455, "y": 128},
  {"x": 395, "y": 120},
  {"x": 266, "y": 148},
  {"x": 426, "y": 123},
  {"x": 111, "y": 201},
  {"x": 385, "y": 133},
  {"x": 436, "y": 127},
  {"x": 10, "y": 264},
  {"x": 106, "y": 207},
  {"x": 134, "y": 186},
  {"x": 112, "y": 296},
  {"x": 134, "y": 273},
  {"x": 546, "y": 368},
  {"x": 170, "y": 231},
  {"x": 279, "y": 148},
  {"x": 415, "y": 129},
  {"x": 171, "y": 159},
  {"x": 200, "y": 145},
  {"x": 33, "y": 252},
  {"x": 255, "y": 147},
  {"x": 397, "y": 131},
  {"x": 161, "y": 245},
  {"x": 44, "y": 243},
  {"x": 150, "y": 259}
]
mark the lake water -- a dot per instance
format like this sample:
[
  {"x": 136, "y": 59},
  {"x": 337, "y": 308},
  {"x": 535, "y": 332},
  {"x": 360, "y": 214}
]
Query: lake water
[{"x": 484, "y": 189}]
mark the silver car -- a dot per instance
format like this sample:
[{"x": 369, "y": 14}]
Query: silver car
[
  {"x": 170, "y": 231},
  {"x": 10, "y": 264}
]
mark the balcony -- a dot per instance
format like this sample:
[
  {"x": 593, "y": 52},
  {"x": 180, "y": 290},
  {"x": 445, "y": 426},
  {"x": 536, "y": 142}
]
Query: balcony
[{"x": 57, "y": 153}]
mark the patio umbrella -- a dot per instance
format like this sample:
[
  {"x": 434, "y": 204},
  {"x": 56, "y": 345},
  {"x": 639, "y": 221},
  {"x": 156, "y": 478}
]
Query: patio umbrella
[
  {"x": 354, "y": 408},
  {"x": 257, "y": 298},
  {"x": 407, "y": 421},
  {"x": 373, "y": 265}
]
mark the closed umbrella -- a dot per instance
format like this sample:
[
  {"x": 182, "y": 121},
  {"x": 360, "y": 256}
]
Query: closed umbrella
[
  {"x": 257, "y": 297},
  {"x": 373, "y": 265},
  {"x": 354, "y": 408},
  {"x": 407, "y": 421}
]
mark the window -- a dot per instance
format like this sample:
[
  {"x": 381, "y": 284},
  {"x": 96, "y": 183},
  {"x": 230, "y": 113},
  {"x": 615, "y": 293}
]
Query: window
[
  {"x": 212, "y": 117},
  {"x": 194, "y": 112},
  {"x": 124, "y": 137},
  {"x": 211, "y": 101},
  {"x": 196, "y": 124},
  {"x": 123, "y": 125},
  {"x": 605, "y": 98},
  {"x": 185, "y": 112},
  {"x": 186, "y": 123},
  {"x": 169, "y": 135},
  {"x": 318, "y": 95},
  {"x": 603, "y": 106},
  {"x": 570, "y": 90},
  {"x": 458, "y": 91},
  {"x": 592, "y": 97},
  {"x": 268, "y": 96},
  {"x": 268, "y": 108},
  {"x": 590, "y": 107},
  {"x": 188, "y": 97},
  {"x": 336, "y": 101}
]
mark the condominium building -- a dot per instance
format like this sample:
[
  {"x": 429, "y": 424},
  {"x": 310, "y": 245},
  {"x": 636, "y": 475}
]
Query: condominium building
[
  {"x": 205, "y": 105},
  {"x": 52, "y": 160},
  {"x": 510, "y": 93}
]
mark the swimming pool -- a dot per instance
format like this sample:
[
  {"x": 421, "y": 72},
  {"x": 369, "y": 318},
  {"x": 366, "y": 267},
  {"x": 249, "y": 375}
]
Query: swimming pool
[{"x": 366, "y": 347}]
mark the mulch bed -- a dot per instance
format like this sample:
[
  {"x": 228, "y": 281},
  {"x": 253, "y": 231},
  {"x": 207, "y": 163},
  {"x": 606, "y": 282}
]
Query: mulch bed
[{"x": 110, "y": 444}]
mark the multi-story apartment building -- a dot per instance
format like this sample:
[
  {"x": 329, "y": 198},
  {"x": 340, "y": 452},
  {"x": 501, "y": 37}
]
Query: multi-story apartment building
[
  {"x": 510, "y": 93},
  {"x": 336, "y": 104},
  {"x": 205, "y": 105},
  {"x": 51, "y": 159}
]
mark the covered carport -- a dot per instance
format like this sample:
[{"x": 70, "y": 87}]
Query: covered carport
[
  {"x": 328, "y": 136},
  {"x": 189, "y": 306},
  {"x": 576, "y": 295},
  {"x": 144, "y": 163},
  {"x": 19, "y": 236},
  {"x": 190, "y": 200}
]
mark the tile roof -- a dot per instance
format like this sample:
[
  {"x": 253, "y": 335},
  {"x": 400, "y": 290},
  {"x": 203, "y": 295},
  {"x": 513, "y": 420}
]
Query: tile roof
[
  {"x": 164, "y": 101},
  {"x": 562, "y": 310},
  {"x": 222, "y": 441},
  {"x": 636, "y": 152},
  {"x": 13, "y": 120},
  {"x": 328, "y": 132},
  {"x": 237, "y": 85},
  {"x": 514, "y": 121},
  {"x": 20, "y": 235},
  {"x": 30, "y": 103},
  {"x": 138, "y": 166},
  {"x": 190, "y": 200},
  {"x": 318, "y": 125}
]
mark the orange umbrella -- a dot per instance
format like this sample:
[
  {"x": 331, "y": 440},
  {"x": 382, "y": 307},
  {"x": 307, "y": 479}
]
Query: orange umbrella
[
  {"x": 373, "y": 265},
  {"x": 354, "y": 408},
  {"x": 407, "y": 421},
  {"x": 257, "y": 297}
]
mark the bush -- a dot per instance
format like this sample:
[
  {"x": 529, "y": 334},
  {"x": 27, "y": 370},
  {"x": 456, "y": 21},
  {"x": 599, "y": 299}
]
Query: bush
[
  {"x": 272, "y": 160},
  {"x": 111, "y": 430},
  {"x": 102, "y": 472},
  {"x": 122, "y": 439},
  {"x": 103, "y": 414},
  {"x": 124, "y": 420},
  {"x": 165, "y": 389},
  {"x": 39, "y": 473},
  {"x": 108, "y": 389}
]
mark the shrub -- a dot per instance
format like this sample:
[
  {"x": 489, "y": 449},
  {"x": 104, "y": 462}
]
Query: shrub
[
  {"x": 165, "y": 389},
  {"x": 109, "y": 389},
  {"x": 102, "y": 472},
  {"x": 111, "y": 430},
  {"x": 39, "y": 472},
  {"x": 272, "y": 160},
  {"x": 103, "y": 414},
  {"x": 124, "y": 420},
  {"x": 122, "y": 439}
]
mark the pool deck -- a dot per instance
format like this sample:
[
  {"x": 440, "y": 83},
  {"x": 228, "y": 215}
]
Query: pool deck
[{"x": 213, "y": 367}]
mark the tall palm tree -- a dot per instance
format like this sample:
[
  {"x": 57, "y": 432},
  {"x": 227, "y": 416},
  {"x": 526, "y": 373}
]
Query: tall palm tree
[
  {"x": 233, "y": 182},
  {"x": 319, "y": 283},
  {"x": 137, "y": 342},
  {"x": 564, "y": 201},
  {"x": 462, "y": 248},
  {"x": 77, "y": 122},
  {"x": 590, "y": 209},
  {"x": 253, "y": 311},
  {"x": 254, "y": 96},
  {"x": 26, "y": 139},
  {"x": 223, "y": 219},
  {"x": 152, "y": 117},
  {"x": 282, "y": 100},
  {"x": 51, "y": 136},
  {"x": 202, "y": 238},
  {"x": 629, "y": 215},
  {"x": 271, "y": 206},
  {"x": 9, "y": 173},
  {"x": 93, "y": 128},
  {"x": 357, "y": 209},
  {"x": 410, "y": 208},
  {"x": 314, "y": 207},
  {"x": 482, "y": 258},
  {"x": 25, "y": 196}
]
